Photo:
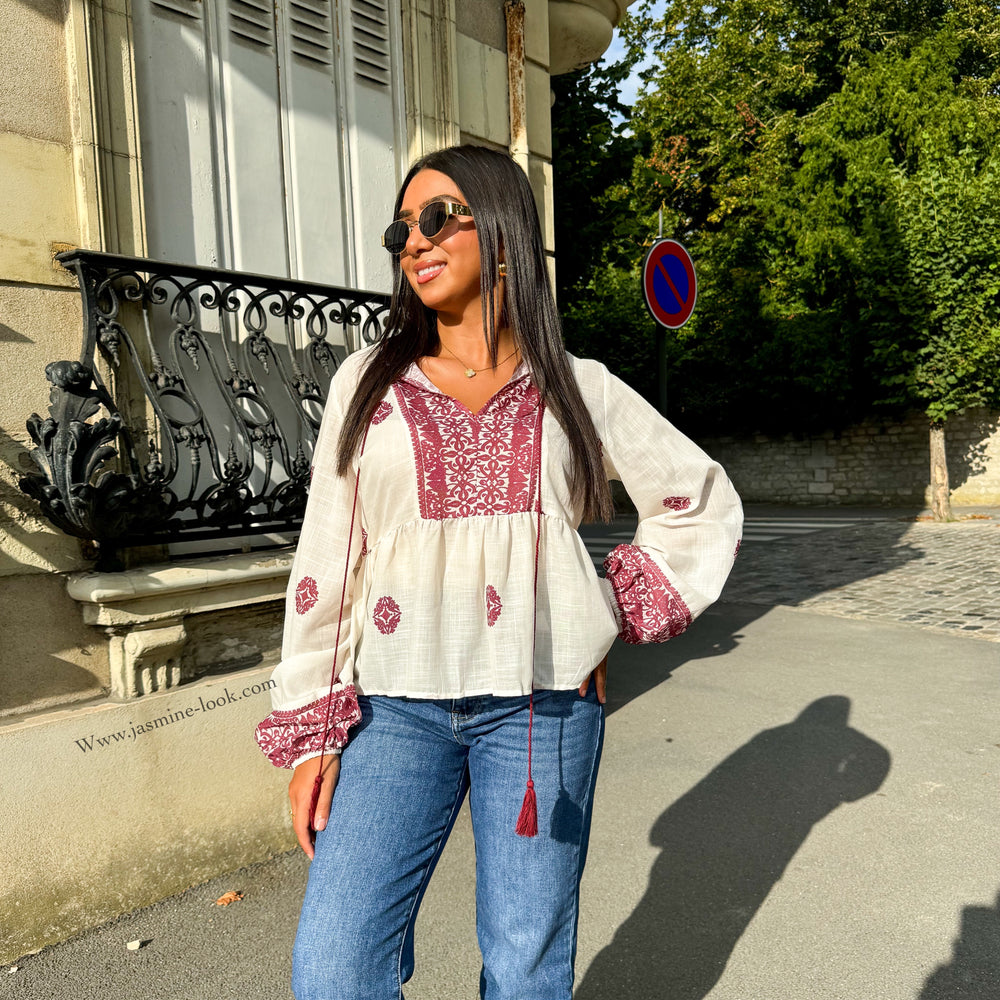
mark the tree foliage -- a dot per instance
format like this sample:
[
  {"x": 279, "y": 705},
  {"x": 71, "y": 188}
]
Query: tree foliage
[
  {"x": 833, "y": 169},
  {"x": 592, "y": 153}
]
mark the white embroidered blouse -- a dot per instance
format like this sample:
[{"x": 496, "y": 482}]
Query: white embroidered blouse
[{"x": 439, "y": 589}]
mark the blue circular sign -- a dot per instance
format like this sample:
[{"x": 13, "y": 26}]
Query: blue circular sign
[{"x": 669, "y": 284}]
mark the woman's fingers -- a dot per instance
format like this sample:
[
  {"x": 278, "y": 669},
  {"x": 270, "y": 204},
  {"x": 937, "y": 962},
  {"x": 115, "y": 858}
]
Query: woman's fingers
[
  {"x": 331, "y": 772},
  {"x": 299, "y": 795},
  {"x": 300, "y": 791},
  {"x": 599, "y": 675},
  {"x": 601, "y": 680}
]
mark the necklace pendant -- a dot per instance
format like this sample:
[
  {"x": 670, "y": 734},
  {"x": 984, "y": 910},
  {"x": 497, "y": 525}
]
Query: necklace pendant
[{"x": 470, "y": 373}]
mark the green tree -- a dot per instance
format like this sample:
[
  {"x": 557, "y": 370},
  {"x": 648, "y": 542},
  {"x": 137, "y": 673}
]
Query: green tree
[
  {"x": 831, "y": 168},
  {"x": 902, "y": 170},
  {"x": 592, "y": 152},
  {"x": 949, "y": 256}
]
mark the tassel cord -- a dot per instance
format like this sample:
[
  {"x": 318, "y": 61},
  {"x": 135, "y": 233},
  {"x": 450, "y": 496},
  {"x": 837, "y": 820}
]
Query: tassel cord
[
  {"x": 334, "y": 673},
  {"x": 527, "y": 820}
]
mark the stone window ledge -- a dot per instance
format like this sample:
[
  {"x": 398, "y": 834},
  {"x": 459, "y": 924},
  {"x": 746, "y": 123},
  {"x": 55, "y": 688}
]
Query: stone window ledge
[{"x": 142, "y": 610}]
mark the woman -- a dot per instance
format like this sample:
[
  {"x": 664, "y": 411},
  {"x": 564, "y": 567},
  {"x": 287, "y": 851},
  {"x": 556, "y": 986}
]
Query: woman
[{"x": 445, "y": 627}]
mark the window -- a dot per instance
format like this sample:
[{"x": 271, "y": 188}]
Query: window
[{"x": 271, "y": 134}]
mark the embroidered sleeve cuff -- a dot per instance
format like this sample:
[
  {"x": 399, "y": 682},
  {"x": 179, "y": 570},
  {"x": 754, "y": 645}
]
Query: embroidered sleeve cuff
[
  {"x": 651, "y": 609},
  {"x": 289, "y": 737}
]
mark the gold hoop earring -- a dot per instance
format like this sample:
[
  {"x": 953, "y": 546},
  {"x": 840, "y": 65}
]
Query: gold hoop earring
[{"x": 502, "y": 269}]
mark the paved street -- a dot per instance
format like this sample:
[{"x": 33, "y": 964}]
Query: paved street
[
  {"x": 762, "y": 524},
  {"x": 797, "y": 802},
  {"x": 940, "y": 576},
  {"x": 878, "y": 565}
]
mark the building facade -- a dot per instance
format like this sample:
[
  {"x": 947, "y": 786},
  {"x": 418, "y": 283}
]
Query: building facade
[{"x": 240, "y": 136}]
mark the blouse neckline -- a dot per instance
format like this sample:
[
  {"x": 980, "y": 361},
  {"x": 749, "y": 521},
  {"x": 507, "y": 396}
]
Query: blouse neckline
[{"x": 416, "y": 375}]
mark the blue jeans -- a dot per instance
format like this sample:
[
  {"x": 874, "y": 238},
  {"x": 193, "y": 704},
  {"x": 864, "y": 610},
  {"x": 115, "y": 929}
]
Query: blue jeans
[{"x": 403, "y": 777}]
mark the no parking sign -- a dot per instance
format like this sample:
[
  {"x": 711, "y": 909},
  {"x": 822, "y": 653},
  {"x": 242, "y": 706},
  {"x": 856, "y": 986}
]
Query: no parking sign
[{"x": 669, "y": 284}]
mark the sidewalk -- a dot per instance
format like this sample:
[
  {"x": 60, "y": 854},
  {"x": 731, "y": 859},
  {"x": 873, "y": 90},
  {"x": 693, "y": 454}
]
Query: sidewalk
[{"x": 796, "y": 803}]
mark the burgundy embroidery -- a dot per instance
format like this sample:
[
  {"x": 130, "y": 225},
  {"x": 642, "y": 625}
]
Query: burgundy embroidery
[
  {"x": 493, "y": 606},
  {"x": 285, "y": 736},
  {"x": 381, "y": 412},
  {"x": 364, "y": 543},
  {"x": 468, "y": 464},
  {"x": 306, "y": 595},
  {"x": 386, "y": 615},
  {"x": 652, "y": 610},
  {"x": 677, "y": 503},
  {"x": 739, "y": 542},
  {"x": 312, "y": 469}
]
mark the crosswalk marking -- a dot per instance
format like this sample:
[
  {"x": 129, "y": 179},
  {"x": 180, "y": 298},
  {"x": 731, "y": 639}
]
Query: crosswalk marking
[
  {"x": 599, "y": 547},
  {"x": 768, "y": 529},
  {"x": 755, "y": 529}
]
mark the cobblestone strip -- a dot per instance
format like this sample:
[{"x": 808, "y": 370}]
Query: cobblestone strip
[{"x": 940, "y": 576}]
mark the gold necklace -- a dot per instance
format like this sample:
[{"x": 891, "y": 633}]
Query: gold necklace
[{"x": 471, "y": 372}]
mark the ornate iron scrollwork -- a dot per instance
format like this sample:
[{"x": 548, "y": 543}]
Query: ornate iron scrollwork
[
  {"x": 75, "y": 493},
  {"x": 221, "y": 381}
]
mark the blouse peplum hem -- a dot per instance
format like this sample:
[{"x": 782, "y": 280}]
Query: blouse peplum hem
[{"x": 446, "y": 609}]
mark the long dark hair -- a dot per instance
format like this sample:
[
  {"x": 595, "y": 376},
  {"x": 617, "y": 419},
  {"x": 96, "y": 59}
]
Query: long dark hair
[{"x": 498, "y": 192}]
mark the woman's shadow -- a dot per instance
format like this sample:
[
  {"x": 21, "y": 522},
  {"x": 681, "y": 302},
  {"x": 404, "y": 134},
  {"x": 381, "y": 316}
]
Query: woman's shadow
[
  {"x": 974, "y": 971},
  {"x": 723, "y": 846}
]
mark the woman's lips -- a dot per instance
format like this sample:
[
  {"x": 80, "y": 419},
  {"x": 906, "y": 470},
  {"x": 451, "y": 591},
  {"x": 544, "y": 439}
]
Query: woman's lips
[{"x": 428, "y": 272}]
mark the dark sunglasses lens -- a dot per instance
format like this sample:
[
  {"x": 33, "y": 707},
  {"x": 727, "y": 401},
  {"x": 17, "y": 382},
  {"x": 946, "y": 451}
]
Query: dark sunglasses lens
[
  {"x": 433, "y": 219},
  {"x": 395, "y": 236}
]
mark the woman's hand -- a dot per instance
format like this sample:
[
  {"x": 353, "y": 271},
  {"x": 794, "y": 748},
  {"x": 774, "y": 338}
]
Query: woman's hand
[
  {"x": 600, "y": 678},
  {"x": 300, "y": 791}
]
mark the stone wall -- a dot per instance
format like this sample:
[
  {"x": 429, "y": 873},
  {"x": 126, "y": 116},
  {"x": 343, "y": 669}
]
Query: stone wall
[{"x": 870, "y": 463}]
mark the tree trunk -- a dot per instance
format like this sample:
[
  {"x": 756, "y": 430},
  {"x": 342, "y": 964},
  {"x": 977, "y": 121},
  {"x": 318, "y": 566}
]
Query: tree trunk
[{"x": 940, "y": 492}]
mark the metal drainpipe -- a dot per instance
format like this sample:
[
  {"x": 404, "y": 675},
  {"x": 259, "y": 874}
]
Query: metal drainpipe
[{"x": 514, "y": 11}]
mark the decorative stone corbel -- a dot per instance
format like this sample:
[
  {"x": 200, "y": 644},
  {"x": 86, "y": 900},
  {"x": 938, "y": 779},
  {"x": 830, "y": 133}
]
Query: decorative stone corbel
[
  {"x": 580, "y": 31},
  {"x": 145, "y": 658}
]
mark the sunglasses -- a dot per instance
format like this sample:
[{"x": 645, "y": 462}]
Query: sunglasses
[{"x": 431, "y": 221}]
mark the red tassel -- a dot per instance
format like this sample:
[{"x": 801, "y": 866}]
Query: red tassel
[
  {"x": 527, "y": 822},
  {"x": 317, "y": 785}
]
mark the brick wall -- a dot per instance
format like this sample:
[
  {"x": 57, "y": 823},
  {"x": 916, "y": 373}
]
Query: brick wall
[{"x": 869, "y": 463}]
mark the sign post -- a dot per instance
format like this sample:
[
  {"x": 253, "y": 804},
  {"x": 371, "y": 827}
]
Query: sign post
[{"x": 670, "y": 290}]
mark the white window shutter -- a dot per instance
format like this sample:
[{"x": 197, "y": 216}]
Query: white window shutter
[
  {"x": 371, "y": 37},
  {"x": 320, "y": 223},
  {"x": 310, "y": 27},
  {"x": 372, "y": 32},
  {"x": 252, "y": 181},
  {"x": 177, "y": 129},
  {"x": 271, "y": 133}
]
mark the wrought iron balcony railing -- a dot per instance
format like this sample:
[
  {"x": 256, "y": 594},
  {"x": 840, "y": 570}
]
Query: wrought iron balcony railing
[{"x": 212, "y": 391}]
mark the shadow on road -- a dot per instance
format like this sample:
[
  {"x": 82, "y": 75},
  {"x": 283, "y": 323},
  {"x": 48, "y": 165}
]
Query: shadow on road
[
  {"x": 789, "y": 571},
  {"x": 785, "y": 571},
  {"x": 974, "y": 971},
  {"x": 724, "y": 844},
  {"x": 649, "y": 665}
]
